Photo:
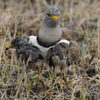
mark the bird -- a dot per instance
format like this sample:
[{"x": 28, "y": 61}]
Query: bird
[
  {"x": 30, "y": 56},
  {"x": 63, "y": 55},
  {"x": 50, "y": 32},
  {"x": 57, "y": 56}
]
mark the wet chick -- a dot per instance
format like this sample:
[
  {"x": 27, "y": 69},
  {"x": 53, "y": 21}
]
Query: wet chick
[
  {"x": 30, "y": 56},
  {"x": 63, "y": 55},
  {"x": 57, "y": 56},
  {"x": 73, "y": 52}
]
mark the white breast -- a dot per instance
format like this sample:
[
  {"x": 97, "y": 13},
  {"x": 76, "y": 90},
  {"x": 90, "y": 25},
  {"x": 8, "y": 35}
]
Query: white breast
[
  {"x": 64, "y": 41},
  {"x": 33, "y": 41}
]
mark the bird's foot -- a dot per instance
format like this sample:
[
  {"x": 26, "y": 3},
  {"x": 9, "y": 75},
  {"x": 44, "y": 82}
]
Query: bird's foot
[
  {"x": 66, "y": 82},
  {"x": 53, "y": 79},
  {"x": 37, "y": 80},
  {"x": 43, "y": 83}
]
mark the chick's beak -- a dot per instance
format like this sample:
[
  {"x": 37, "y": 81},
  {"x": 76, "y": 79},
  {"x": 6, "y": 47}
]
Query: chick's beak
[
  {"x": 55, "y": 17},
  {"x": 10, "y": 46}
]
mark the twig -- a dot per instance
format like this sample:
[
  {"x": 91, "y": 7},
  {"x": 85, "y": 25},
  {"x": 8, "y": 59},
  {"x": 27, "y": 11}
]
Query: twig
[
  {"x": 56, "y": 4},
  {"x": 46, "y": 4}
]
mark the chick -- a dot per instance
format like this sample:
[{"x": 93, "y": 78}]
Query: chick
[
  {"x": 30, "y": 55},
  {"x": 57, "y": 56},
  {"x": 63, "y": 55}
]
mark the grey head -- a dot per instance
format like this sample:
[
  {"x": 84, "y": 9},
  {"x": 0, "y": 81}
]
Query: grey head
[
  {"x": 51, "y": 17},
  {"x": 17, "y": 42}
]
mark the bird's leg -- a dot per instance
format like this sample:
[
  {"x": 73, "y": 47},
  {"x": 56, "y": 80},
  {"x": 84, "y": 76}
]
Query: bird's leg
[
  {"x": 43, "y": 83},
  {"x": 37, "y": 78},
  {"x": 41, "y": 80},
  {"x": 66, "y": 82},
  {"x": 54, "y": 74},
  {"x": 27, "y": 80},
  {"x": 62, "y": 72},
  {"x": 39, "y": 68},
  {"x": 64, "y": 77}
]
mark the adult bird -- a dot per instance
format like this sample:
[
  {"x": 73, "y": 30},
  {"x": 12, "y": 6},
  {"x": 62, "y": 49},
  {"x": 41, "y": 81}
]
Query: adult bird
[{"x": 50, "y": 32}]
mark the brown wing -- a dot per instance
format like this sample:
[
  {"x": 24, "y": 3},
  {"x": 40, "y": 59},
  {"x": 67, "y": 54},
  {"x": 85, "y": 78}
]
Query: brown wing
[
  {"x": 73, "y": 52},
  {"x": 71, "y": 35}
]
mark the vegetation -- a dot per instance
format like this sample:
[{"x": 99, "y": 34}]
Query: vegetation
[{"x": 19, "y": 18}]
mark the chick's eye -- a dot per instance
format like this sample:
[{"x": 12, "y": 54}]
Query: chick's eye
[{"x": 48, "y": 14}]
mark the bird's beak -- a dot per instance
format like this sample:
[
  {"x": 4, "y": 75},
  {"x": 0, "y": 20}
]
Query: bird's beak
[
  {"x": 10, "y": 46},
  {"x": 55, "y": 17}
]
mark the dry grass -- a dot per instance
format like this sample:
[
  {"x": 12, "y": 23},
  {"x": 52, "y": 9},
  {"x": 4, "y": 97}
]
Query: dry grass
[{"x": 20, "y": 18}]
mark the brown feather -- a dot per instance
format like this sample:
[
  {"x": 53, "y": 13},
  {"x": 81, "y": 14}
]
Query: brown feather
[
  {"x": 71, "y": 35},
  {"x": 58, "y": 55},
  {"x": 73, "y": 52}
]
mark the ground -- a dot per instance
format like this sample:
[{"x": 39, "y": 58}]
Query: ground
[{"x": 20, "y": 18}]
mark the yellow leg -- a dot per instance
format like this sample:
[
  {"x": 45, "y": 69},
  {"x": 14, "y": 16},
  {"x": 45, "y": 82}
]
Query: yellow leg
[
  {"x": 42, "y": 82},
  {"x": 64, "y": 78},
  {"x": 39, "y": 78},
  {"x": 62, "y": 72},
  {"x": 54, "y": 75}
]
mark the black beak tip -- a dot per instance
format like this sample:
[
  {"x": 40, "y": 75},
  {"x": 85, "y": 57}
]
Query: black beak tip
[{"x": 6, "y": 48}]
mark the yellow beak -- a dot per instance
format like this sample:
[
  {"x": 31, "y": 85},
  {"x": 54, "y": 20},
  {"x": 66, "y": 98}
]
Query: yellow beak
[
  {"x": 54, "y": 17},
  {"x": 10, "y": 46}
]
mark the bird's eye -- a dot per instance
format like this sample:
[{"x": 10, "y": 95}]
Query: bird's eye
[{"x": 48, "y": 14}]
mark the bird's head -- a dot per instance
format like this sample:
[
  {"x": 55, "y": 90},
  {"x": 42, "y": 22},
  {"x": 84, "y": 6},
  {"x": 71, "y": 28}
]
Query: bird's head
[
  {"x": 16, "y": 43},
  {"x": 52, "y": 16}
]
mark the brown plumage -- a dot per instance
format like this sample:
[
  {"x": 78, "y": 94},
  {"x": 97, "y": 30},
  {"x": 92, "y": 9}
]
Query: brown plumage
[
  {"x": 73, "y": 52},
  {"x": 57, "y": 56},
  {"x": 63, "y": 55},
  {"x": 71, "y": 35},
  {"x": 59, "y": 51},
  {"x": 68, "y": 54},
  {"x": 30, "y": 56}
]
